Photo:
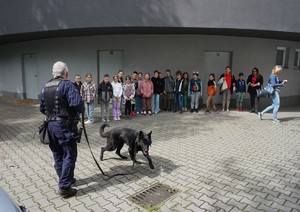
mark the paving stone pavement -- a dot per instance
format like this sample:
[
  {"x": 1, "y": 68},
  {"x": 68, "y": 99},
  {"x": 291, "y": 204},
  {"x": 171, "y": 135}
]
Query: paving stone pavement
[{"x": 219, "y": 162}]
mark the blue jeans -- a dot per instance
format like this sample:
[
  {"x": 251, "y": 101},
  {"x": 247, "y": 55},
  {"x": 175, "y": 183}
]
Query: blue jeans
[
  {"x": 178, "y": 101},
  {"x": 239, "y": 99},
  {"x": 89, "y": 109},
  {"x": 139, "y": 104},
  {"x": 275, "y": 105},
  {"x": 155, "y": 103}
]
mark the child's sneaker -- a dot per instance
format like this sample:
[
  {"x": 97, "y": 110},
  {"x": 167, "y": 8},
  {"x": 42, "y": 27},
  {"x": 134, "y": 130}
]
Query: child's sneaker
[
  {"x": 115, "y": 119},
  {"x": 145, "y": 113},
  {"x": 88, "y": 122},
  {"x": 196, "y": 110},
  {"x": 134, "y": 113},
  {"x": 207, "y": 112},
  {"x": 149, "y": 112},
  {"x": 138, "y": 113},
  {"x": 238, "y": 109},
  {"x": 276, "y": 121},
  {"x": 260, "y": 116},
  {"x": 192, "y": 110}
]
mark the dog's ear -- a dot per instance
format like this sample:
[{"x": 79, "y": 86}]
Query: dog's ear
[
  {"x": 141, "y": 135},
  {"x": 149, "y": 134}
]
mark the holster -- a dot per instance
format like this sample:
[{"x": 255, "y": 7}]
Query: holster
[
  {"x": 78, "y": 131},
  {"x": 43, "y": 133},
  {"x": 79, "y": 134}
]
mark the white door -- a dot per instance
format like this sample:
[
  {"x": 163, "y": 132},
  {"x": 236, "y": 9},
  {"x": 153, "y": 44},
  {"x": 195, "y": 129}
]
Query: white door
[
  {"x": 30, "y": 74},
  {"x": 215, "y": 62},
  {"x": 110, "y": 62}
]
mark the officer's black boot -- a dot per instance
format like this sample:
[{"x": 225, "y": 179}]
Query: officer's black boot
[
  {"x": 69, "y": 192},
  {"x": 73, "y": 181}
]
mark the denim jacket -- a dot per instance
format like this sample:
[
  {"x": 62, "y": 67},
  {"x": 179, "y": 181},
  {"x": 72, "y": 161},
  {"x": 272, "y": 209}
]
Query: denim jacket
[{"x": 275, "y": 82}]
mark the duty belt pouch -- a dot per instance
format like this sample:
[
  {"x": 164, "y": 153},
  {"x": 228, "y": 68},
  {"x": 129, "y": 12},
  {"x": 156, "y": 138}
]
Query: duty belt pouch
[{"x": 43, "y": 133}]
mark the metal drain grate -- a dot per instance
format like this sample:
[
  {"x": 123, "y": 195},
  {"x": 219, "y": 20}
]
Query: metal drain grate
[{"x": 153, "y": 196}]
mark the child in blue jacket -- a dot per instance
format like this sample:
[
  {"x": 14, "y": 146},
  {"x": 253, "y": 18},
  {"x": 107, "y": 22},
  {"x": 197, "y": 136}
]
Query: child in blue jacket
[{"x": 240, "y": 92}]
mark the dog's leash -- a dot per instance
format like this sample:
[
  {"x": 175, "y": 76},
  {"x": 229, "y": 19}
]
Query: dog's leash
[
  {"x": 87, "y": 140},
  {"x": 99, "y": 167}
]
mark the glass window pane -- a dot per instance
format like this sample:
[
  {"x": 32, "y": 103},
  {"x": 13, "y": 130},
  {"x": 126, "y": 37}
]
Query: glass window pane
[
  {"x": 279, "y": 57},
  {"x": 296, "y": 63}
]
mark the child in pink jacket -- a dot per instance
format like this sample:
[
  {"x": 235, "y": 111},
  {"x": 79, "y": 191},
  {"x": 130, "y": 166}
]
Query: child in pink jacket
[{"x": 147, "y": 91}]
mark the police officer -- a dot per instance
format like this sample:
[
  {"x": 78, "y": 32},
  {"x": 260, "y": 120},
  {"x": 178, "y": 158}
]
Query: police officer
[{"x": 61, "y": 103}]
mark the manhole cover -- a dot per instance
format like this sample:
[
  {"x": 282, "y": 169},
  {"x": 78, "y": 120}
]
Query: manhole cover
[{"x": 153, "y": 196}]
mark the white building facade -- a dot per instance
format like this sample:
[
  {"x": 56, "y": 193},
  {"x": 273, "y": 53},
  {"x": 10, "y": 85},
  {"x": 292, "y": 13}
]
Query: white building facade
[{"x": 181, "y": 40}]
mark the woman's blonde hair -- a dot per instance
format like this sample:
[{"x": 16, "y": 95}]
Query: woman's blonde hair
[{"x": 276, "y": 69}]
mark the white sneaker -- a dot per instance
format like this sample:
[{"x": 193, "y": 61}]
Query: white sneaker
[
  {"x": 88, "y": 122},
  {"x": 276, "y": 121},
  {"x": 260, "y": 116}
]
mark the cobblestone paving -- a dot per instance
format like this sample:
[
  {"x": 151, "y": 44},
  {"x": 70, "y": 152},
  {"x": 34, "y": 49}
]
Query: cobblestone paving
[{"x": 220, "y": 162}]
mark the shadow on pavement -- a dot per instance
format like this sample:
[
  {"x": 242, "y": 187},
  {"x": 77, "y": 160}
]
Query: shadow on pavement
[
  {"x": 162, "y": 165},
  {"x": 287, "y": 119}
]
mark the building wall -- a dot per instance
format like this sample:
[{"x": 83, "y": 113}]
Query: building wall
[
  {"x": 37, "y": 16},
  {"x": 144, "y": 53}
]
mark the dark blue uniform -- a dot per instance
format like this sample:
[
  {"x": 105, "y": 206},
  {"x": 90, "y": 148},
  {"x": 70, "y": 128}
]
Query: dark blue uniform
[{"x": 62, "y": 133}]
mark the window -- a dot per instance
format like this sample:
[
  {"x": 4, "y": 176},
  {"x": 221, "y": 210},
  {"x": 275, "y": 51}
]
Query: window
[
  {"x": 282, "y": 56},
  {"x": 297, "y": 59}
]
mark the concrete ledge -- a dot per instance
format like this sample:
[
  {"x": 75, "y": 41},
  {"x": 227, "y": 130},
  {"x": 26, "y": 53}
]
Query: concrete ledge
[
  {"x": 12, "y": 95},
  {"x": 285, "y": 101}
]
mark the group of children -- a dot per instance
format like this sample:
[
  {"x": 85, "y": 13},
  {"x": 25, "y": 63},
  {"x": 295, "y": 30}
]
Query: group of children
[{"x": 144, "y": 95}]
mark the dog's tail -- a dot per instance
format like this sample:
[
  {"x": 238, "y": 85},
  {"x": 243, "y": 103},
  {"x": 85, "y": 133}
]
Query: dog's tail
[{"x": 101, "y": 131}]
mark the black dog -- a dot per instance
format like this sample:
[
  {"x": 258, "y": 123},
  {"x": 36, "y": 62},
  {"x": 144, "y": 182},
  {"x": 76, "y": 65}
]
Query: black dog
[{"x": 136, "y": 141}]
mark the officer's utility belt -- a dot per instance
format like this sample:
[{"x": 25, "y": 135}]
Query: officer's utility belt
[
  {"x": 56, "y": 119},
  {"x": 43, "y": 129},
  {"x": 64, "y": 120}
]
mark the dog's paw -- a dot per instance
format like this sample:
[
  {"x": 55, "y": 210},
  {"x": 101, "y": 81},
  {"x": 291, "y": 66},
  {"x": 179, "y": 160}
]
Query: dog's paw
[{"x": 151, "y": 166}]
